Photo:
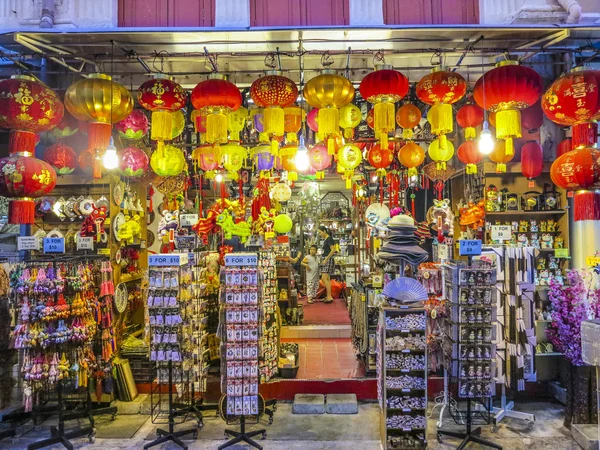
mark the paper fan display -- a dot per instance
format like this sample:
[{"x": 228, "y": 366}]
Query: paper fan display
[{"x": 405, "y": 290}]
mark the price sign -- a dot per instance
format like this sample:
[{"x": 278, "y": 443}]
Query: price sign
[
  {"x": 443, "y": 251},
  {"x": 188, "y": 220},
  {"x": 241, "y": 259},
  {"x": 85, "y": 243},
  {"x": 469, "y": 247},
  {"x": 28, "y": 243},
  {"x": 501, "y": 232},
  {"x": 54, "y": 245},
  {"x": 162, "y": 259},
  {"x": 561, "y": 252},
  {"x": 104, "y": 251},
  {"x": 592, "y": 261}
]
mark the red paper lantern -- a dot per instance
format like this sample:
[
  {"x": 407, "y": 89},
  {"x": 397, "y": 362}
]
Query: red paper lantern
[
  {"x": 312, "y": 119},
  {"x": 577, "y": 169},
  {"x": 574, "y": 100},
  {"x": 134, "y": 126},
  {"x": 27, "y": 107},
  {"x": 532, "y": 118},
  {"x": 564, "y": 146},
  {"x": 216, "y": 97},
  {"x": 319, "y": 159},
  {"x": 469, "y": 154},
  {"x": 273, "y": 93},
  {"x": 62, "y": 158},
  {"x": 381, "y": 158},
  {"x": 383, "y": 88},
  {"x": 506, "y": 90},
  {"x": 470, "y": 117},
  {"x": 532, "y": 159},
  {"x": 133, "y": 162},
  {"x": 441, "y": 88}
]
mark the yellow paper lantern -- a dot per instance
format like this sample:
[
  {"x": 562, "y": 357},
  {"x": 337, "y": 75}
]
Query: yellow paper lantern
[
  {"x": 350, "y": 117},
  {"x": 101, "y": 102},
  {"x": 234, "y": 156},
  {"x": 282, "y": 223},
  {"x": 329, "y": 92},
  {"x": 500, "y": 156},
  {"x": 281, "y": 192},
  {"x": 167, "y": 161},
  {"x": 236, "y": 122},
  {"x": 441, "y": 155},
  {"x": 349, "y": 158},
  {"x": 178, "y": 120}
]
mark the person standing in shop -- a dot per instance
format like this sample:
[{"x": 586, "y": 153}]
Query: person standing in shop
[
  {"x": 327, "y": 263},
  {"x": 311, "y": 264}
]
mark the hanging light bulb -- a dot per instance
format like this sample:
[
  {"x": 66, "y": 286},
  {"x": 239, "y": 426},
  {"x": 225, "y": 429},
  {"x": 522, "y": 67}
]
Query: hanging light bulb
[
  {"x": 110, "y": 160},
  {"x": 301, "y": 159},
  {"x": 486, "y": 141},
  {"x": 218, "y": 178}
]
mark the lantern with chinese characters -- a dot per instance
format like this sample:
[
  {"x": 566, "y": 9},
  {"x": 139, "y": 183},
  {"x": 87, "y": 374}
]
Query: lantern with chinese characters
[
  {"x": 312, "y": 119},
  {"x": 207, "y": 157},
  {"x": 292, "y": 116},
  {"x": 27, "y": 107},
  {"x": 349, "y": 158},
  {"x": 329, "y": 92},
  {"x": 233, "y": 156},
  {"x": 101, "y": 102},
  {"x": 163, "y": 97},
  {"x": 381, "y": 157},
  {"x": 62, "y": 158},
  {"x": 134, "y": 126},
  {"x": 470, "y": 117},
  {"x": 236, "y": 122},
  {"x": 411, "y": 156},
  {"x": 350, "y": 117},
  {"x": 468, "y": 153},
  {"x": 262, "y": 156},
  {"x": 216, "y": 97},
  {"x": 439, "y": 154},
  {"x": 274, "y": 92},
  {"x": 574, "y": 100},
  {"x": 384, "y": 87},
  {"x": 133, "y": 162},
  {"x": 500, "y": 156},
  {"x": 564, "y": 146},
  {"x": 506, "y": 90},
  {"x": 441, "y": 89},
  {"x": 577, "y": 169},
  {"x": 281, "y": 192},
  {"x": 532, "y": 159},
  {"x": 167, "y": 161},
  {"x": 67, "y": 127},
  {"x": 319, "y": 159},
  {"x": 408, "y": 117},
  {"x": 288, "y": 163}
]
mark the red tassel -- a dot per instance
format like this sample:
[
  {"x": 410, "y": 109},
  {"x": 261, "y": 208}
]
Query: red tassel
[
  {"x": 151, "y": 194},
  {"x": 241, "y": 191},
  {"x": 223, "y": 192},
  {"x": 412, "y": 206},
  {"x": 99, "y": 135},
  {"x": 584, "y": 134},
  {"x": 21, "y": 211},
  {"x": 21, "y": 142},
  {"x": 586, "y": 206}
]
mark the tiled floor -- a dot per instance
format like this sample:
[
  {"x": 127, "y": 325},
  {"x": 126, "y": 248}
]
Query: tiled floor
[
  {"x": 327, "y": 358},
  {"x": 319, "y": 313}
]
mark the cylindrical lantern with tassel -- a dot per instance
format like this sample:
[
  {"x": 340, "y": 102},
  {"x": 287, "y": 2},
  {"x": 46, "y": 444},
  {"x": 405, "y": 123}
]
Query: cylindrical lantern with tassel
[
  {"x": 532, "y": 159},
  {"x": 350, "y": 117},
  {"x": 468, "y": 153},
  {"x": 470, "y": 117},
  {"x": 236, "y": 122},
  {"x": 439, "y": 154},
  {"x": 500, "y": 156}
]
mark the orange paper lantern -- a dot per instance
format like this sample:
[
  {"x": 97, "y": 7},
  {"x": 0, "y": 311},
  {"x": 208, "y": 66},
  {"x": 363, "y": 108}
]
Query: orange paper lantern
[
  {"x": 408, "y": 117},
  {"x": 411, "y": 156}
]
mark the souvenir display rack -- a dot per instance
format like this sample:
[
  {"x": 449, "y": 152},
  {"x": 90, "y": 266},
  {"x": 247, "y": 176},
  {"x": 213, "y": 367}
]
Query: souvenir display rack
[
  {"x": 474, "y": 317},
  {"x": 270, "y": 357},
  {"x": 364, "y": 318},
  {"x": 66, "y": 336},
  {"x": 402, "y": 378},
  {"x": 241, "y": 333},
  {"x": 170, "y": 300}
]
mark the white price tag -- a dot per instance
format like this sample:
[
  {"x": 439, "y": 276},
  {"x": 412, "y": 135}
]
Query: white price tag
[
  {"x": 85, "y": 243},
  {"x": 501, "y": 232},
  {"x": 188, "y": 220},
  {"x": 28, "y": 243},
  {"x": 443, "y": 251}
]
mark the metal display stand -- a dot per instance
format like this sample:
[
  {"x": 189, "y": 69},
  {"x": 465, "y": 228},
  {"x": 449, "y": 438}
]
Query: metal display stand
[
  {"x": 470, "y": 435},
  {"x": 506, "y": 410}
]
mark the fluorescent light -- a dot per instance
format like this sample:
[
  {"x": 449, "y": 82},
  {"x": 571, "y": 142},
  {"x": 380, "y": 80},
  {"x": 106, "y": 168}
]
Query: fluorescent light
[
  {"x": 110, "y": 160},
  {"x": 486, "y": 141}
]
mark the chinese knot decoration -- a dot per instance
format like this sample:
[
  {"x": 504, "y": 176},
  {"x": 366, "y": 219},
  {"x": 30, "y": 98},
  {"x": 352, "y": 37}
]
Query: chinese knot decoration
[
  {"x": 506, "y": 90},
  {"x": 27, "y": 107},
  {"x": 440, "y": 89},
  {"x": 384, "y": 88},
  {"x": 328, "y": 92},
  {"x": 274, "y": 92},
  {"x": 163, "y": 97},
  {"x": 216, "y": 97},
  {"x": 574, "y": 100}
]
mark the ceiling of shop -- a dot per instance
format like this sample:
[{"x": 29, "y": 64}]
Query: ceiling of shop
[{"x": 131, "y": 54}]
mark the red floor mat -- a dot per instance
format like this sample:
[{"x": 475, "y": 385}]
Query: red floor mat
[{"x": 319, "y": 313}]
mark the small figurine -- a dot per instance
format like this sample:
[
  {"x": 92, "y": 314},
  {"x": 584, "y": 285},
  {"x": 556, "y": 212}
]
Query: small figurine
[
  {"x": 541, "y": 264},
  {"x": 535, "y": 241},
  {"x": 547, "y": 240},
  {"x": 551, "y": 226},
  {"x": 544, "y": 277},
  {"x": 491, "y": 199},
  {"x": 543, "y": 226},
  {"x": 479, "y": 371},
  {"x": 559, "y": 242},
  {"x": 515, "y": 226},
  {"x": 552, "y": 262},
  {"x": 522, "y": 240},
  {"x": 523, "y": 226},
  {"x": 471, "y": 370},
  {"x": 533, "y": 226}
]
